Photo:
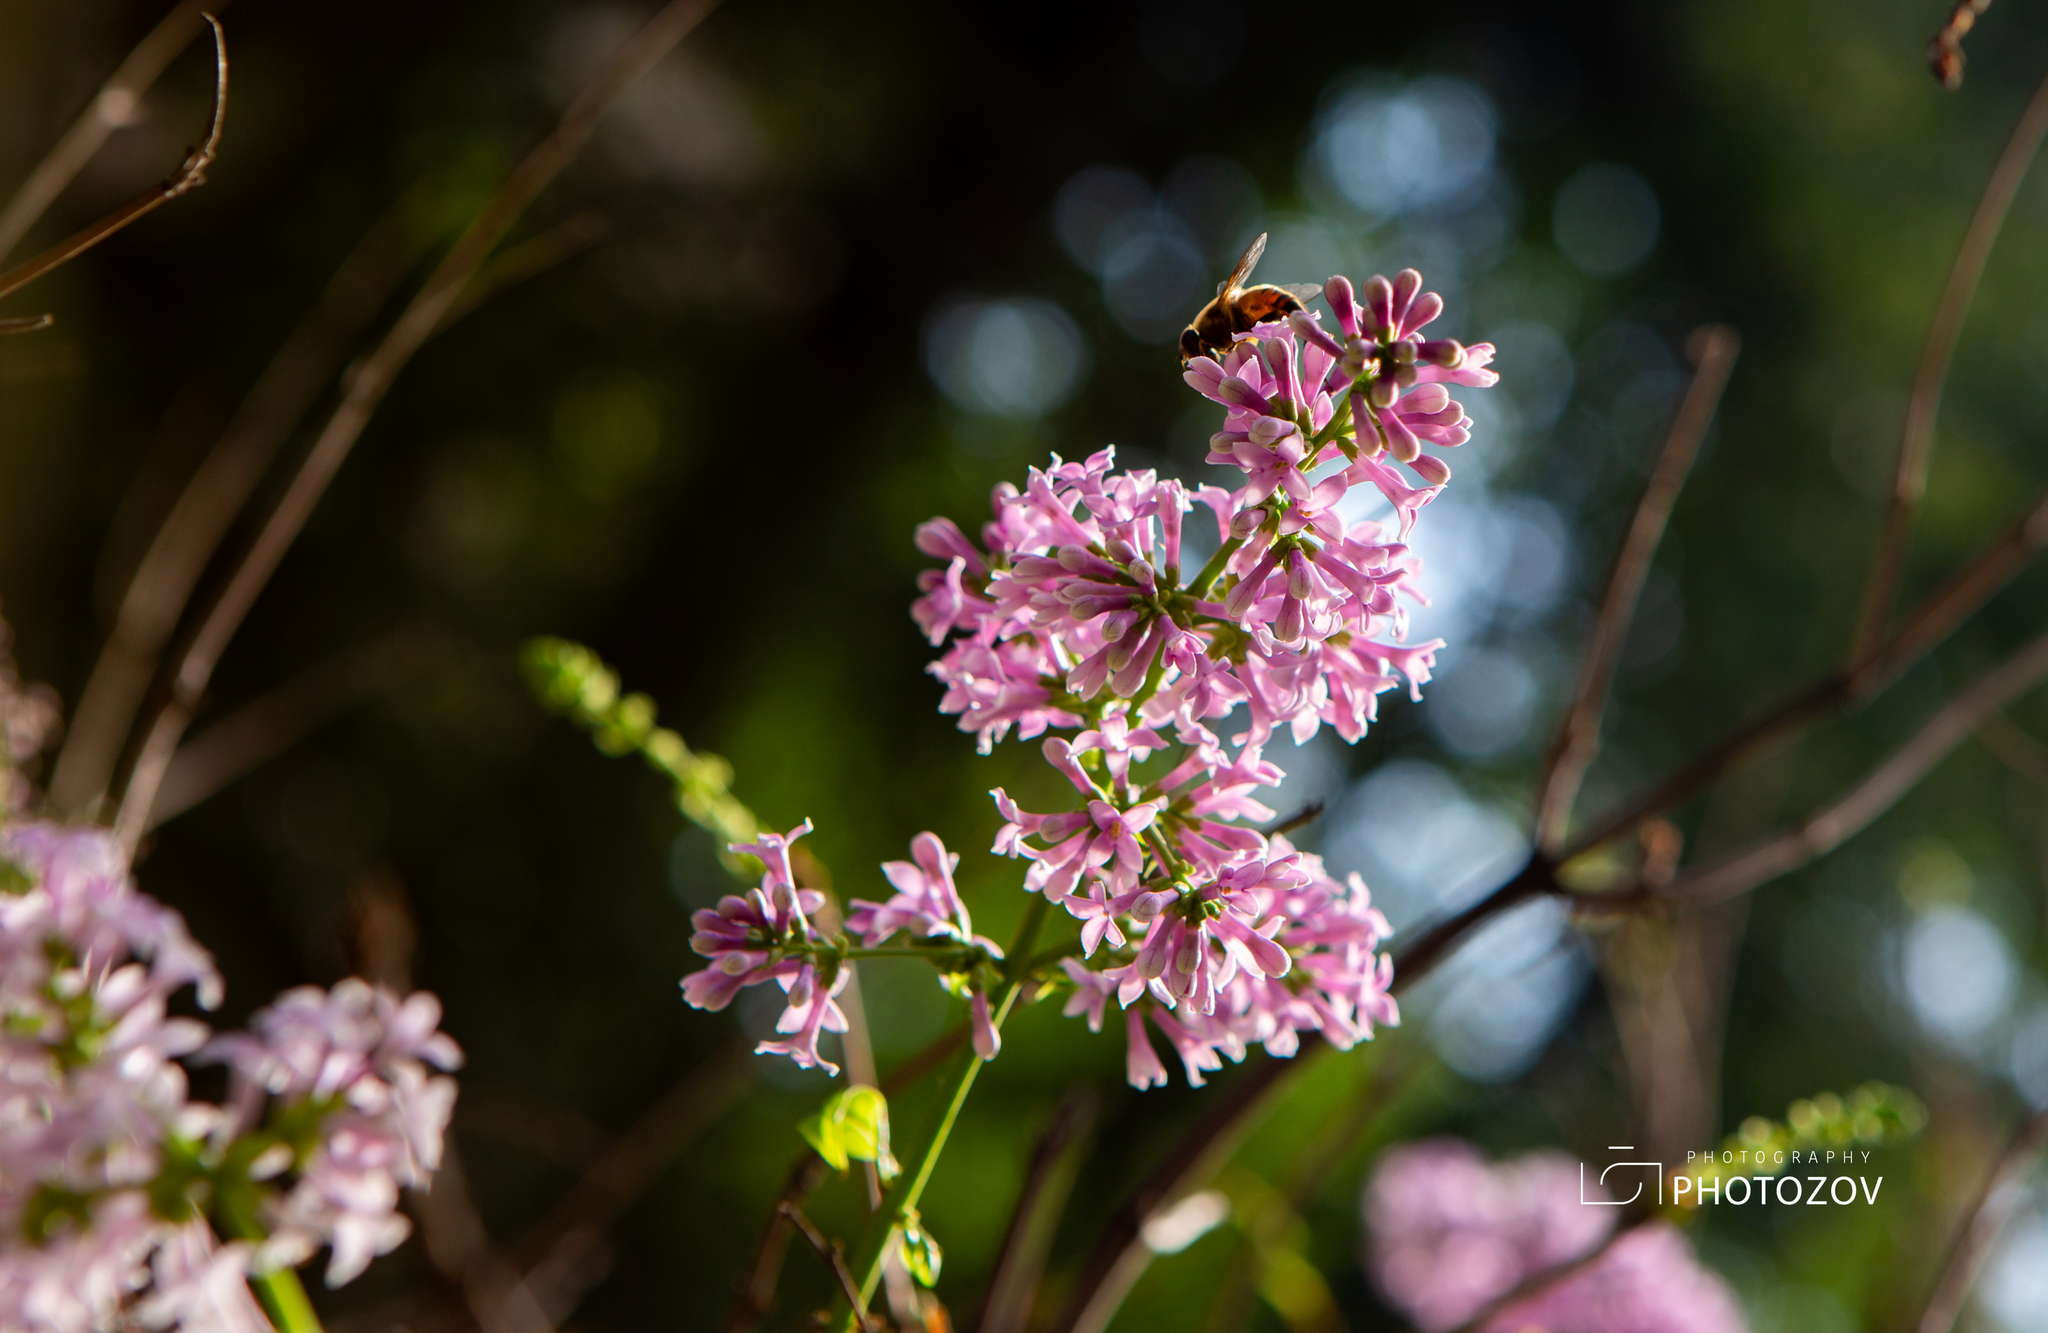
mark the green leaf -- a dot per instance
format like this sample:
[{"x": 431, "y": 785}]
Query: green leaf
[
  {"x": 853, "y": 1124},
  {"x": 821, "y": 1131},
  {"x": 921, "y": 1254}
]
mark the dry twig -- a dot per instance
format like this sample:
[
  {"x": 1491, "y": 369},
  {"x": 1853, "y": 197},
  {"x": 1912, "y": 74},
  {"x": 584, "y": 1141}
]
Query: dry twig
[
  {"x": 1750, "y": 867},
  {"x": 554, "y": 1256},
  {"x": 112, "y": 107},
  {"x": 1945, "y": 52},
  {"x": 834, "y": 1255},
  {"x": 1578, "y": 739},
  {"x": 1013, "y": 1288},
  {"x": 1916, "y": 440},
  {"x": 190, "y": 175},
  {"x": 1989, "y": 1212},
  {"x": 265, "y": 728},
  {"x": 1932, "y": 623}
]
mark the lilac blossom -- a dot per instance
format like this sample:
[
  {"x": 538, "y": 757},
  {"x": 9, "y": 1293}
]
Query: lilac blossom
[
  {"x": 1647, "y": 1281},
  {"x": 106, "y": 1162},
  {"x": 770, "y": 935},
  {"x": 1076, "y": 612},
  {"x": 1452, "y": 1233},
  {"x": 367, "y": 1054}
]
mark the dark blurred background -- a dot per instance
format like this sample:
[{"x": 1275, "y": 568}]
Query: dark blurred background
[{"x": 832, "y": 269}]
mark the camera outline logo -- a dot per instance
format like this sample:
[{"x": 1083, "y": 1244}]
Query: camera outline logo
[{"x": 1601, "y": 1180}]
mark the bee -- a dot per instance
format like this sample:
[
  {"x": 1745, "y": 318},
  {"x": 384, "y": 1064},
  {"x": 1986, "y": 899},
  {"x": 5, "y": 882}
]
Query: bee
[{"x": 1238, "y": 307}]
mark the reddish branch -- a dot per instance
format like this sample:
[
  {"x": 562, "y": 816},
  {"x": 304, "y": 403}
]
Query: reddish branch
[
  {"x": 190, "y": 175},
  {"x": 1578, "y": 738},
  {"x": 1916, "y": 440},
  {"x": 1988, "y": 1214},
  {"x": 1945, "y": 52},
  {"x": 116, "y": 104}
]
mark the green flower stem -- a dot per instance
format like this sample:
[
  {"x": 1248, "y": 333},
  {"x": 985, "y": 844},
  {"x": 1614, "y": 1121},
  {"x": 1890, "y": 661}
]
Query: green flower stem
[
  {"x": 284, "y": 1296},
  {"x": 281, "y": 1292},
  {"x": 1199, "y": 589},
  {"x": 1339, "y": 419},
  {"x": 906, "y": 1194}
]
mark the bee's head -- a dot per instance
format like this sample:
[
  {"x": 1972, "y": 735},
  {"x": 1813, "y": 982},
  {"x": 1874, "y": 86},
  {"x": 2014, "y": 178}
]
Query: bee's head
[{"x": 1190, "y": 345}]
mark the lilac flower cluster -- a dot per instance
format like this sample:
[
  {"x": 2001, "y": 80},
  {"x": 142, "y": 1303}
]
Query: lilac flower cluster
[
  {"x": 1075, "y": 611},
  {"x": 1453, "y": 1233},
  {"x": 1074, "y": 614},
  {"x": 112, "y": 1178}
]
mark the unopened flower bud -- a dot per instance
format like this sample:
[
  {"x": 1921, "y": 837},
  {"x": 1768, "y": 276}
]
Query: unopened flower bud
[
  {"x": 1269, "y": 431},
  {"x": 1150, "y": 905},
  {"x": 1117, "y": 626},
  {"x": 1379, "y": 307},
  {"x": 1431, "y": 469},
  {"x": 1288, "y": 625},
  {"x": 1120, "y": 550},
  {"x": 1357, "y": 351},
  {"x": 1246, "y": 521},
  {"x": 1383, "y": 391},
  {"x": 1446, "y": 352}
]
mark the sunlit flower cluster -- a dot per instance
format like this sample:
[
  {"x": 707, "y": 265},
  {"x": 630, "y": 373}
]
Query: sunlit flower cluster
[
  {"x": 113, "y": 1180},
  {"x": 1079, "y": 610}
]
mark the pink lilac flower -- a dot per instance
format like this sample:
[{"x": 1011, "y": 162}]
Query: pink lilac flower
[
  {"x": 367, "y": 1054},
  {"x": 94, "y": 1107},
  {"x": 1647, "y": 1281},
  {"x": 1452, "y": 1233},
  {"x": 200, "y": 1283},
  {"x": 1077, "y": 612},
  {"x": 926, "y": 904},
  {"x": 770, "y": 935}
]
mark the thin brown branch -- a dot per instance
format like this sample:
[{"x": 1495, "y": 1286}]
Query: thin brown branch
[
  {"x": 114, "y": 106},
  {"x": 186, "y": 681},
  {"x": 834, "y": 1255},
  {"x": 190, "y": 175},
  {"x": 1308, "y": 814},
  {"x": 1936, "y": 619},
  {"x": 553, "y": 1256},
  {"x": 27, "y": 324},
  {"x": 1945, "y": 53},
  {"x": 164, "y": 579},
  {"x": 1916, "y": 440},
  {"x": 755, "y": 1300},
  {"x": 1766, "y": 859},
  {"x": 265, "y": 728},
  {"x": 1988, "y": 1214},
  {"x": 1020, "y": 1263},
  {"x": 1578, "y": 740}
]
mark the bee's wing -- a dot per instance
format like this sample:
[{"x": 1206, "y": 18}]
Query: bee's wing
[
  {"x": 1245, "y": 265},
  {"x": 1303, "y": 292}
]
